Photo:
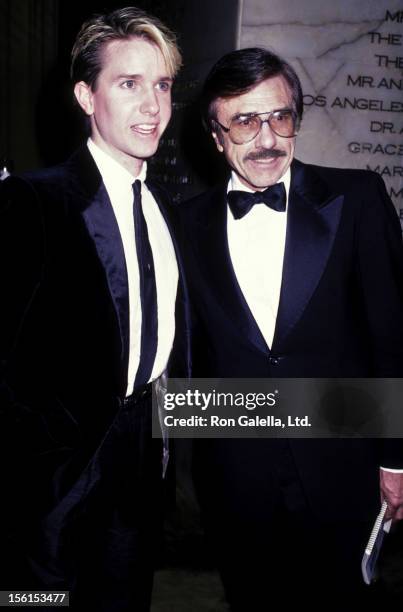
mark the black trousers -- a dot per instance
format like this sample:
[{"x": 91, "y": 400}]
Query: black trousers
[
  {"x": 102, "y": 540},
  {"x": 122, "y": 526},
  {"x": 271, "y": 549}
]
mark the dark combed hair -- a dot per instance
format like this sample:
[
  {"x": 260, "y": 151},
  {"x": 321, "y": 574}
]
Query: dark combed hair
[{"x": 238, "y": 72}]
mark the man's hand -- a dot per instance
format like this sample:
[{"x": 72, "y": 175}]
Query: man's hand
[{"x": 392, "y": 491}]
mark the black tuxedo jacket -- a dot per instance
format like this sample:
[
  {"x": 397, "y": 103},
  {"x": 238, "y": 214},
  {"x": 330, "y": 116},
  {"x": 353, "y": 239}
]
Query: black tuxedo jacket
[
  {"x": 340, "y": 312},
  {"x": 64, "y": 344}
]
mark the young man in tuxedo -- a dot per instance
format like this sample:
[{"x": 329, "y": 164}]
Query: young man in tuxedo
[
  {"x": 293, "y": 270},
  {"x": 89, "y": 289}
]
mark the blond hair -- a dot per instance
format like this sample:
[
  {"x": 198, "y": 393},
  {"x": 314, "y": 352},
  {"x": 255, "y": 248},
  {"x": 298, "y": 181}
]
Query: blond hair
[{"x": 125, "y": 23}]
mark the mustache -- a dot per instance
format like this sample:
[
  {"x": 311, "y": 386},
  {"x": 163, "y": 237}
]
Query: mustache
[{"x": 265, "y": 154}]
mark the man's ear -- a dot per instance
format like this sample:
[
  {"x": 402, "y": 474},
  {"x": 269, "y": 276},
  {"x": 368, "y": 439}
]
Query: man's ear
[
  {"x": 83, "y": 94},
  {"x": 218, "y": 140}
]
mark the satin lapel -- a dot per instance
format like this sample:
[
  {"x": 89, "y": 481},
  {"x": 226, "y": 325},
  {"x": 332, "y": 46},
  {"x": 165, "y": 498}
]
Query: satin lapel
[
  {"x": 100, "y": 221},
  {"x": 313, "y": 219},
  {"x": 215, "y": 259}
]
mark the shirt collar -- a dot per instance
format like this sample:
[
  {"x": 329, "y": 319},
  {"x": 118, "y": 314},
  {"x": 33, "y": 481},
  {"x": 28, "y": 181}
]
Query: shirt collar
[{"x": 111, "y": 171}]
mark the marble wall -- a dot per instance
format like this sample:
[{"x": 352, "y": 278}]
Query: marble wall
[{"x": 349, "y": 56}]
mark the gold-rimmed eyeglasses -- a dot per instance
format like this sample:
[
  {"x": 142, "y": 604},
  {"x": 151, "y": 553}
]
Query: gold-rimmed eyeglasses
[{"x": 244, "y": 128}]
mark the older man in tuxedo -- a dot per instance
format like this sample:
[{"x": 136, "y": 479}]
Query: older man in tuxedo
[
  {"x": 89, "y": 290},
  {"x": 293, "y": 270}
]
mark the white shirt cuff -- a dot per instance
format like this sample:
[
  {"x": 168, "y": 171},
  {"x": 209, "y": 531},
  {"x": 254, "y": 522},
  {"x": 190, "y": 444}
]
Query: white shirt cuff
[{"x": 392, "y": 470}]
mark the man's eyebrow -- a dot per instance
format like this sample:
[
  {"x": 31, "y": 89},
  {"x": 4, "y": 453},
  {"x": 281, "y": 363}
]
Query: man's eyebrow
[
  {"x": 138, "y": 77},
  {"x": 249, "y": 114},
  {"x": 129, "y": 76},
  {"x": 253, "y": 113},
  {"x": 164, "y": 78}
]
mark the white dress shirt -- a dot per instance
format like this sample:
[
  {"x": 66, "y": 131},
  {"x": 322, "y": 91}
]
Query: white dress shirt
[
  {"x": 118, "y": 183},
  {"x": 256, "y": 245}
]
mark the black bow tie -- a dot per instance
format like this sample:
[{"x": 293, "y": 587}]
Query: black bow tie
[{"x": 240, "y": 202}]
